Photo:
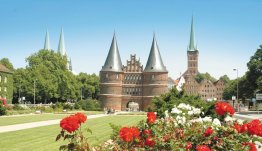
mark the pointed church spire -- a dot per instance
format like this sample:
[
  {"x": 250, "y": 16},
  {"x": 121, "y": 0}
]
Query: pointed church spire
[
  {"x": 61, "y": 45},
  {"x": 47, "y": 42},
  {"x": 113, "y": 60},
  {"x": 154, "y": 62},
  {"x": 192, "y": 37}
]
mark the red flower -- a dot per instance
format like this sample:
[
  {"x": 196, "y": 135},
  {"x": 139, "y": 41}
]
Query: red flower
[
  {"x": 135, "y": 132},
  {"x": 244, "y": 128},
  {"x": 151, "y": 117},
  {"x": 215, "y": 138},
  {"x": 254, "y": 127},
  {"x": 81, "y": 117},
  {"x": 188, "y": 146},
  {"x": 147, "y": 132},
  {"x": 202, "y": 148},
  {"x": 125, "y": 134},
  {"x": 208, "y": 132},
  {"x": 222, "y": 108},
  {"x": 129, "y": 134},
  {"x": 150, "y": 142},
  {"x": 69, "y": 123},
  {"x": 237, "y": 127},
  {"x": 252, "y": 146}
]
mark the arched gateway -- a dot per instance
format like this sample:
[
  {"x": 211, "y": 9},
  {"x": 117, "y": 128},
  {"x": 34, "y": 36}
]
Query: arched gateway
[{"x": 120, "y": 85}]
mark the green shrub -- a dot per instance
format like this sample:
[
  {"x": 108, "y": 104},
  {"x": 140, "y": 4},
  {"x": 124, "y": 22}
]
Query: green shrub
[
  {"x": 2, "y": 109},
  {"x": 77, "y": 106},
  {"x": 67, "y": 106},
  {"x": 89, "y": 105},
  {"x": 18, "y": 107},
  {"x": 174, "y": 97}
]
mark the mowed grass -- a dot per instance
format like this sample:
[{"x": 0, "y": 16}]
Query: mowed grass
[
  {"x": 11, "y": 120},
  {"x": 43, "y": 138}
]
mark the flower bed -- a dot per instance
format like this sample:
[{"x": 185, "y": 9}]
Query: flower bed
[{"x": 183, "y": 128}]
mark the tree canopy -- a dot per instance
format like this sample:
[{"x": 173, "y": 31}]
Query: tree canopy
[
  {"x": 47, "y": 73},
  {"x": 251, "y": 82},
  {"x": 7, "y": 63}
]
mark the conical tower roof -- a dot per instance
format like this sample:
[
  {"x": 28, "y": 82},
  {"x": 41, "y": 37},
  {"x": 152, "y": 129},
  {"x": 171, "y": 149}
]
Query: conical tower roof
[
  {"x": 154, "y": 62},
  {"x": 47, "y": 42},
  {"x": 113, "y": 60},
  {"x": 192, "y": 46},
  {"x": 61, "y": 45}
]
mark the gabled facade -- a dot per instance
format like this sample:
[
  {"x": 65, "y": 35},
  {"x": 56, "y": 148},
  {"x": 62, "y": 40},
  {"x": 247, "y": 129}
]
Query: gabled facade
[{"x": 123, "y": 86}]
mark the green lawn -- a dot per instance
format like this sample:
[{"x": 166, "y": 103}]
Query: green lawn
[
  {"x": 10, "y": 120},
  {"x": 43, "y": 138}
]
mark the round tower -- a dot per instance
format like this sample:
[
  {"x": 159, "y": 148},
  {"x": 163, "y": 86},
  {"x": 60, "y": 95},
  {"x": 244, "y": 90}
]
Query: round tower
[
  {"x": 155, "y": 76},
  {"x": 111, "y": 77}
]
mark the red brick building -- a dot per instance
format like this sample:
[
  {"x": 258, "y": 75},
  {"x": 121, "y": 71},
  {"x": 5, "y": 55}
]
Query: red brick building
[
  {"x": 206, "y": 89},
  {"x": 122, "y": 85}
]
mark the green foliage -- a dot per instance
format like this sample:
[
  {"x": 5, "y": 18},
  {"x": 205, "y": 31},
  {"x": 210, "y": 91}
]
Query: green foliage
[
  {"x": 17, "y": 107},
  {"x": 201, "y": 76},
  {"x": 254, "y": 73},
  {"x": 225, "y": 79},
  {"x": 53, "y": 81},
  {"x": 89, "y": 85},
  {"x": 7, "y": 63},
  {"x": 251, "y": 82},
  {"x": 174, "y": 97},
  {"x": 8, "y": 85},
  {"x": 2, "y": 109},
  {"x": 90, "y": 105}
]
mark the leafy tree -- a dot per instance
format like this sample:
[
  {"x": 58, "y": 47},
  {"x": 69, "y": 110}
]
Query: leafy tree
[
  {"x": 201, "y": 76},
  {"x": 89, "y": 85},
  {"x": 7, "y": 63},
  {"x": 225, "y": 78},
  {"x": 254, "y": 73},
  {"x": 250, "y": 83},
  {"x": 53, "y": 82}
]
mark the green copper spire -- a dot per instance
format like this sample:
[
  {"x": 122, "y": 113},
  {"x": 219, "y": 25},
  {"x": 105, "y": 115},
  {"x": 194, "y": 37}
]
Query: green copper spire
[
  {"x": 47, "y": 43},
  {"x": 191, "y": 46},
  {"x": 61, "y": 45}
]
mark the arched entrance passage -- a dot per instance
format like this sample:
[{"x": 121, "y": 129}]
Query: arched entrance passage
[{"x": 132, "y": 106}]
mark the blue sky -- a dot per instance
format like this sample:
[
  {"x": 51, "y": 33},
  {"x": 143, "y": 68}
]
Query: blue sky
[{"x": 227, "y": 32}]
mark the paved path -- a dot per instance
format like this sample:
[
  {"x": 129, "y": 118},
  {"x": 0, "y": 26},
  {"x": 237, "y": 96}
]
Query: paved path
[
  {"x": 248, "y": 117},
  {"x": 16, "y": 127}
]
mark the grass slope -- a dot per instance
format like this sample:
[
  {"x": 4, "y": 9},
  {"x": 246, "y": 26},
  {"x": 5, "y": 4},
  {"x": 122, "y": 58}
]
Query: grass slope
[
  {"x": 10, "y": 120},
  {"x": 43, "y": 138}
]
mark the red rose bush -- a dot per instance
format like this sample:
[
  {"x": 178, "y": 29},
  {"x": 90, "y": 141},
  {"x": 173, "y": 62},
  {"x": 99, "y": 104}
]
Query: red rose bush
[
  {"x": 186, "y": 128},
  {"x": 71, "y": 131}
]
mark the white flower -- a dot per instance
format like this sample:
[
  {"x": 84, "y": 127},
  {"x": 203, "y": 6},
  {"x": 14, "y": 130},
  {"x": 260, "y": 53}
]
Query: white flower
[
  {"x": 166, "y": 113},
  {"x": 258, "y": 144},
  {"x": 216, "y": 122},
  {"x": 181, "y": 119},
  {"x": 184, "y": 106},
  {"x": 239, "y": 121},
  {"x": 196, "y": 111},
  {"x": 207, "y": 119},
  {"x": 197, "y": 120},
  {"x": 175, "y": 110},
  {"x": 229, "y": 119},
  {"x": 190, "y": 112}
]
